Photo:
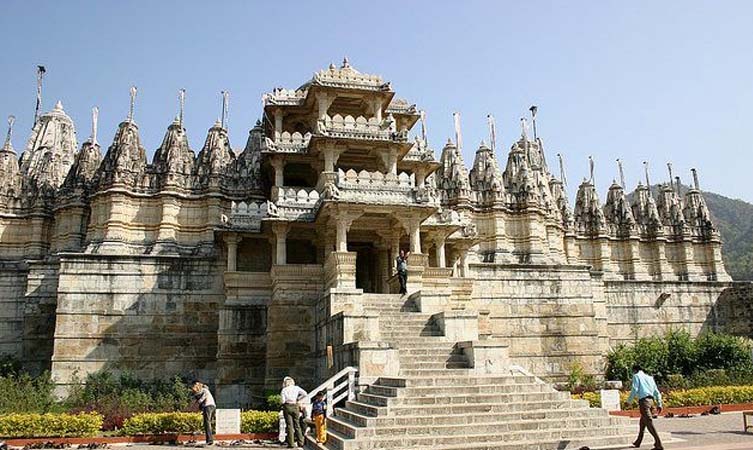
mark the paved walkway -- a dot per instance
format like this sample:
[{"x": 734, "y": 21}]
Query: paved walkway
[{"x": 722, "y": 432}]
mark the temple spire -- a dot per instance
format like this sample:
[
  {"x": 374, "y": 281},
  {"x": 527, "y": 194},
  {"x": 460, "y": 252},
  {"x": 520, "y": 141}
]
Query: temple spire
[
  {"x": 95, "y": 121},
  {"x": 671, "y": 178},
  {"x": 458, "y": 135},
  {"x": 182, "y": 104},
  {"x": 622, "y": 173},
  {"x": 9, "y": 136},
  {"x": 492, "y": 132},
  {"x": 534, "y": 109},
  {"x": 225, "y": 109},
  {"x": 524, "y": 128},
  {"x": 563, "y": 178},
  {"x": 696, "y": 185},
  {"x": 133, "y": 92},
  {"x": 423, "y": 127},
  {"x": 645, "y": 170},
  {"x": 40, "y": 75}
]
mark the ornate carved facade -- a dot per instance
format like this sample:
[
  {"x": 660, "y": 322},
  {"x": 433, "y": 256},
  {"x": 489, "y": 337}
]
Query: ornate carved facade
[{"x": 243, "y": 265}]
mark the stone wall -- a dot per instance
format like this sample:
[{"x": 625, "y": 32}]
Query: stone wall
[
  {"x": 550, "y": 316},
  {"x": 40, "y": 303},
  {"x": 12, "y": 290},
  {"x": 155, "y": 316}
]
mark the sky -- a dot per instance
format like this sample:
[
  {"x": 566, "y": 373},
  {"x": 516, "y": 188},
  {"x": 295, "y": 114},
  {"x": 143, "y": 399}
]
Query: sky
[{"x": 636, "y": 80}]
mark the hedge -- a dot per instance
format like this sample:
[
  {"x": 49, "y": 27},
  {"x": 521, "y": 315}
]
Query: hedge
[
  {"x": 706, "y": 396},
  {"x": 179, "y": 422},
  {"x": 50, "y": 425}
]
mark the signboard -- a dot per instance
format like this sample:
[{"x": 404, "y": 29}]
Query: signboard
[
  {"x": 228, "y": 421},
  {"x": 610, "y": 399}
]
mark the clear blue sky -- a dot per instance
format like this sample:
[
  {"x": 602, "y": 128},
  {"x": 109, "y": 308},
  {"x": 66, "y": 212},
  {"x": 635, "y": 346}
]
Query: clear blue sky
[{"x": 637, "y": 80}]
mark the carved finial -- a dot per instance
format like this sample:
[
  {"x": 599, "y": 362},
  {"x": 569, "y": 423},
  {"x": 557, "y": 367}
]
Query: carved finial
[
  {"x": 225, "y": 109},
  {"x": 40, "y": 75},
  {"x": 181, "y": 105},
  {"x": 58, "y": 106},
  {"x": 671, "y": 178},
  {"x": 591, "y": 169},
  {"x": 9, "y": 135},
  {"x": 645, "y": 170},
  {"x": 622, "y": 174},
  {"x": 332, "y": 66},
  {"x": 524, "y": 128},
  {"x": 696, "y": 185},
  {"x": 346, "y": 63},
  {"x": 423, "y": 127},
  {"x": 492, "y": 132},
  {"x": 533, "y": 110},
  {"x": 562, "y": 170},
  {"x": 133, "y": 92},
  {"x": 458, "y": 135},
  {"x": 95, "y": 121},
  {"x": 677, "y": 185}
]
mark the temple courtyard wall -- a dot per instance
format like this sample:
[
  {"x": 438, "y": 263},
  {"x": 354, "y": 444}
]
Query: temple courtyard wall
[{"x": 158, "y": 316}]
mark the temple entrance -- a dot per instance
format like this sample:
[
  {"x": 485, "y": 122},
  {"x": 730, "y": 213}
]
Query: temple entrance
[{"x": 366, "y": 266}]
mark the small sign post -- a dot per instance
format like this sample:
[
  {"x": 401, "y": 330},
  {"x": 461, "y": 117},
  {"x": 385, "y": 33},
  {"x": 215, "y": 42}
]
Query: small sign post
[{"x": 228, "y": 421}]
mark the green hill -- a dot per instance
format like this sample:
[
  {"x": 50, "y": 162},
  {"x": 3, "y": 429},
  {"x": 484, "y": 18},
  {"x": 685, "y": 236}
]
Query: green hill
[{"x": 735, "y": 221}]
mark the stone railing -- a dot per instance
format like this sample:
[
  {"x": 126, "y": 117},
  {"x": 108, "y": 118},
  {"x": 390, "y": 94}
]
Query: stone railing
[
  {"x": 247, "y": 216},
  {"x": 360, "y": 128},
  {"x": 376, "y": 187},
  {"x": 285, "y": 97},
  {"x": 401, "y": 106},
  {"x": 296, "y": 203},
  {"x": 288, "y": 143},
  {"x": 341, "y": 386},
  {"x": 348, "y": 77}
]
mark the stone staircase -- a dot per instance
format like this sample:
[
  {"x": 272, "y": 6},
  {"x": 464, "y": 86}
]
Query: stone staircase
[{"x": 437, "y": 402}]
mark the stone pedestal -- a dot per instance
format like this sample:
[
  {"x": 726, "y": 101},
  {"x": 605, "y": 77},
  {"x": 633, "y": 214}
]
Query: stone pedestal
[
  {"x": 486, "y": 357},
  {"x": 373, "y": 360},
  {"x": 340, "y": 270},
  {"x": 458, "y": 325},
  {"x": 417, "y": 263}
]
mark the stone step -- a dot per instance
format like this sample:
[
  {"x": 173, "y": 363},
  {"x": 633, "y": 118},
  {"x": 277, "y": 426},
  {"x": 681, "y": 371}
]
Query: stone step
[
  {"x": 504, "y": 397},
  {"x": 452, "y": 380},
  {"x": 457, "y": 390},
  {"x": 471, "y": 409},
  {"x": 423, "y": 364},
  {"x": 457, "y": 372},
  {"x": 338, "y": 441},
  {"x": 420, "y": 419},
  {"x": 353, "y": 431},
  {"x": 424, "y": 343}
]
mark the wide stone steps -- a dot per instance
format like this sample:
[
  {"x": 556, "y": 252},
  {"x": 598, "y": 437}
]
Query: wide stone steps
[
  {"x": 388, "y": 391},
  {"x": 498, "y": 427},
  {"x": 475, "y": 408},
  {"x": 448, "y": 378},
  {"x": 425, "y": 363},
  {"x": 531, "y": 438},
  {"x": 420, "y": 420},
  {"x": 515, "y": 397}
]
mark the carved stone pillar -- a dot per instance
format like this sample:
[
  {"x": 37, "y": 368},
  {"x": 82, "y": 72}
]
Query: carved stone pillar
[
  {"x": 278, "y": 123},
  {"x": 279, "y": 166},
  {"x": 439, "y": 242},
  {"x": 231, "y": 242},
  {"x": 324, "y": 101},
  {"x": 414, "y": 231},
  {"x": 281, "y": 232}
]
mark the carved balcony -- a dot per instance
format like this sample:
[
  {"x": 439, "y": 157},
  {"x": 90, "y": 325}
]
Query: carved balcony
[
  {"x": 247, "y": 216},
  {"x": 360, "y": 128},
  {"x": 285, "y": 97},
  {"x": 295, "y": 143},
  {"x": 295, "y": 203},
  {"x": 376, "y": 187}
]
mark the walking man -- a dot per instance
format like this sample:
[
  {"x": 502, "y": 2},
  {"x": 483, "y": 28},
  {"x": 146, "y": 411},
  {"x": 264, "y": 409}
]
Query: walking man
[
  {"x": 205, "y": 400},
  {"x": 291, "y": 396},
  {"x": 645, "y": 390},
  {"x": 402, "y": 271}
]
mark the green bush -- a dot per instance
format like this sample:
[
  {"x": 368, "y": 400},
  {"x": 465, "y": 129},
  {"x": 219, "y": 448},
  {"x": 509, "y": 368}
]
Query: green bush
[
  {"x": 24, "y": 394},
  {"x": 259, "y": 421},
  {"x": 273, "y": 400},
  {"x": 707, "y": 396},
  {"x": 50, "y": 425},
  {"x": 180, "y": 422},
  {"x": 678, "y": 354}
]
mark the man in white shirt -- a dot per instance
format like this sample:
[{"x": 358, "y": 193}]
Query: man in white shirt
[{"x": 291, "y": 395}]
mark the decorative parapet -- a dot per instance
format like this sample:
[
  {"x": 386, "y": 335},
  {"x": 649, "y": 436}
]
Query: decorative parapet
[
  {"x": 401, "y": 106},
  {"x": 296, "y": 203},
  {"x": 376, "y": 187},
  {"x": 287, "y": 143},
  {"x": 360, "y": 127},
  {"x": 347, "y": 77},
  {"x": 248, "y": 216},
  {"x": 285, "y": 97}
]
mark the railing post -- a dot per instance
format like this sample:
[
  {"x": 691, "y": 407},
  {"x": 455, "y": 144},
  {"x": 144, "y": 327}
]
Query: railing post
[
  {"x": 351, "y": 385},
  {"x": 330, "y": 398}
]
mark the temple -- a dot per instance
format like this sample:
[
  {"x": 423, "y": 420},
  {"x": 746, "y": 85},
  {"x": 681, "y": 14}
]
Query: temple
[{"x": 243, "y": 265}]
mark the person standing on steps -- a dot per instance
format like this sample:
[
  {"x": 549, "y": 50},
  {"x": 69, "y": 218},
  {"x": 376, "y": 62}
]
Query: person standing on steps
[
  {"x": 292, "y": 395},
  {"x": 646, "y": 391},
  {"x": 402, "y": 271},
  {"x": 204, "y": 398}
]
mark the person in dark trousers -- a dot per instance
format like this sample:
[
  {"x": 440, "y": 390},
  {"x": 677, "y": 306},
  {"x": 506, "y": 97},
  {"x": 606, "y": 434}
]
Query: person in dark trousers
[
  {"x": 291, "y": 397},
  {"x": 206, "y": 403},
  {"x": 646, "y": 391},
  {"x": 402, "y": 271}
]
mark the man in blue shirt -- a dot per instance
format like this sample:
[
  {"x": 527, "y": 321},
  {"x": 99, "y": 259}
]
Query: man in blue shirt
[{"x": 646, "y": 391}]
